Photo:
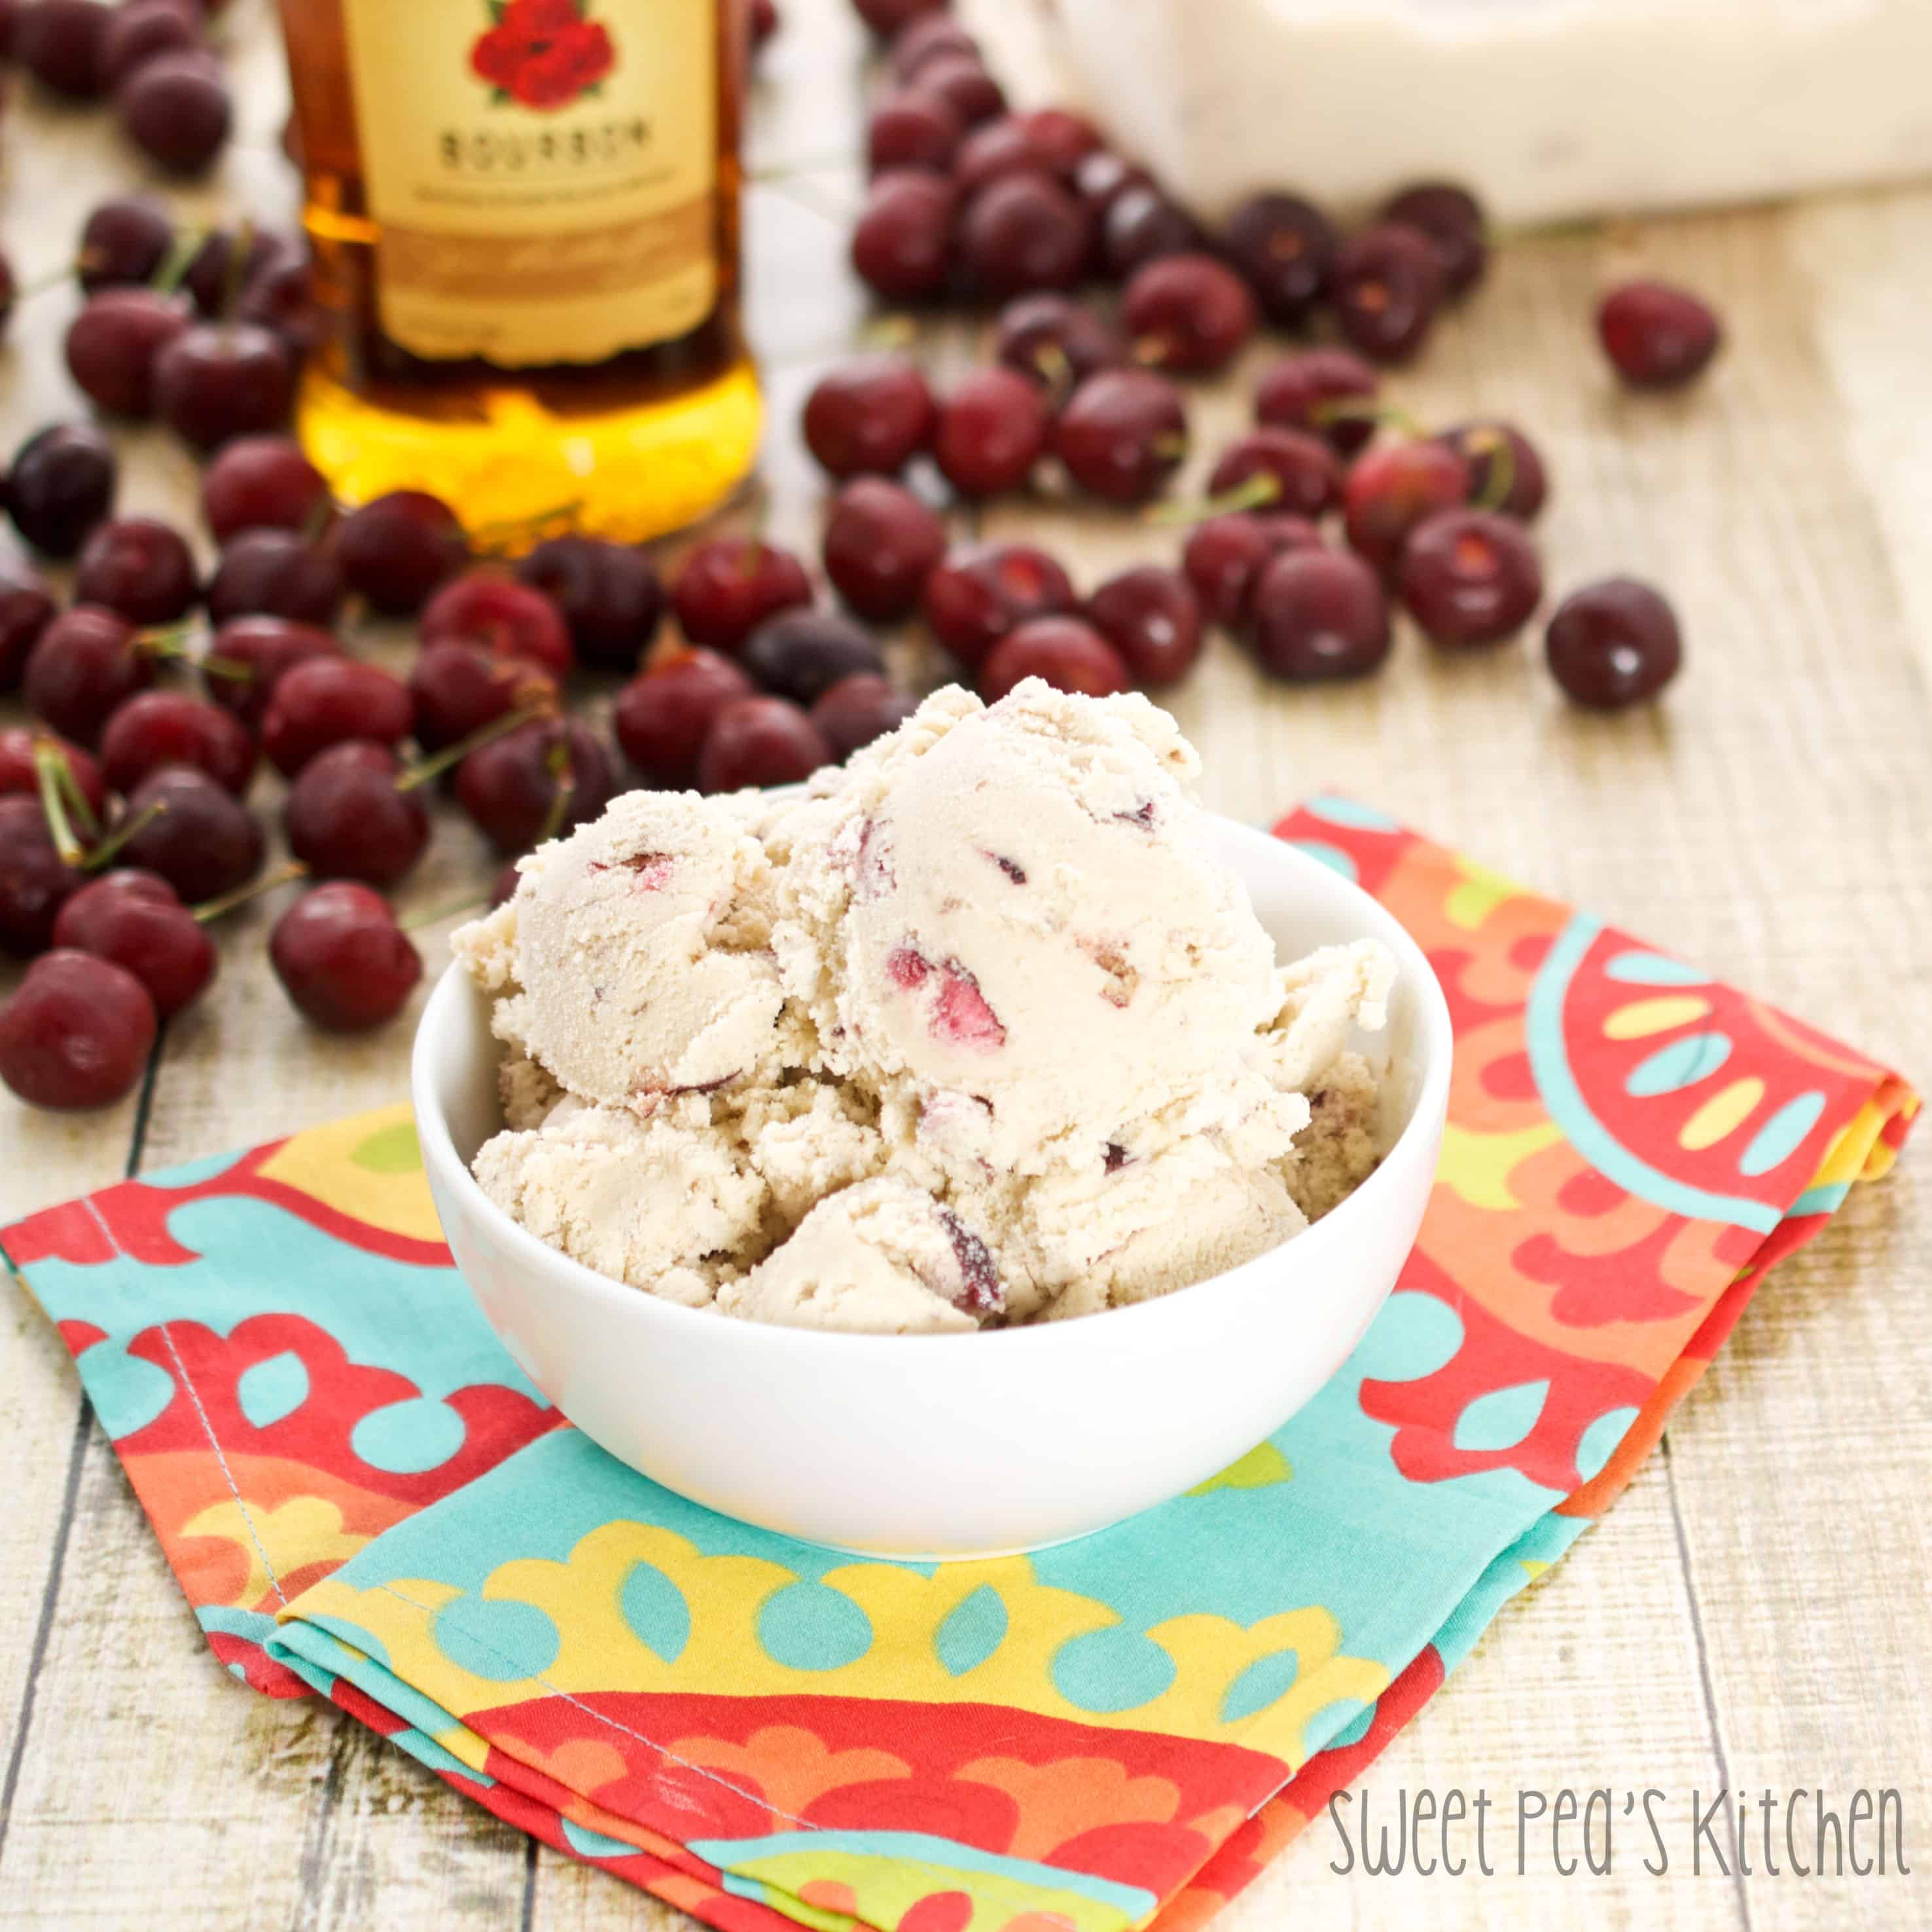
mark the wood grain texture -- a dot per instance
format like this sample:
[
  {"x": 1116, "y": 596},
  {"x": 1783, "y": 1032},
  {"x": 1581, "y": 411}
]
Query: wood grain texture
[{"x": 1754, "y": 1610}]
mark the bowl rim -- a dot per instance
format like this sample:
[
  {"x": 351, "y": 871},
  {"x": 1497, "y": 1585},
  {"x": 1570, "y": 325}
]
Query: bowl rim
[{"x": 1434, "y": 1037}]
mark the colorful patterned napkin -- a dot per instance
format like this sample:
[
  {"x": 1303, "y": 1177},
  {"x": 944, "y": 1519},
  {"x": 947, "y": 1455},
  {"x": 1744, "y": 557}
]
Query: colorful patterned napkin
[{"x": 363, "y": 1497}]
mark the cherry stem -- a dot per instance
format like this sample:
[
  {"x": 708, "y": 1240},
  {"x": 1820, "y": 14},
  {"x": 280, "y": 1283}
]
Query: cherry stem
[
  {"x": 104, "y": 854},
  {"x": 216, "y": 908},
  {"x": 426, "y": 769},
  {"x": 179, "y": 259},
  {"x": 1052, "y": 362},
  {"x": 53, "y": 279},
  {"x": 1258, "y": 490},
  {"x": 318, "y": 521},
  {"x": 215, "y": 665},
  {"x": 235, "y": 273},
  {"x": 558, "y": 762},
  {"x": 1342, "y": 409},
  {"x": 894, "y": 330},
  {"x": 437, "y": 914},
  {"x": 167, "y": 640},
  {"x": 1502, "y": 478},
  {"x": 49, "y": 762}
]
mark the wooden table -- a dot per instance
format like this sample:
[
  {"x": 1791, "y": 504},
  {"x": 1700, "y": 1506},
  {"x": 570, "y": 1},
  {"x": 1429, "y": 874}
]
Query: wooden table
[{"x": 1754, "y": 1612}]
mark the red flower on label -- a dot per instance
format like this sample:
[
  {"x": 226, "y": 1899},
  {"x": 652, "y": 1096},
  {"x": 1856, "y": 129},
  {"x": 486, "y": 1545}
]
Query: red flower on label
[{"x": 542, "y": 53}]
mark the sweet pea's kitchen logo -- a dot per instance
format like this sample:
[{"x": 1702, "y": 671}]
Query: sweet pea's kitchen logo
[{"x": 542, "y": 54}]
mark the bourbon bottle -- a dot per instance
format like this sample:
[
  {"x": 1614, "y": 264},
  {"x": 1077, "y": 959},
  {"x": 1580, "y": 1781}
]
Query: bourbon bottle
[{"x": 523, "y": 215}]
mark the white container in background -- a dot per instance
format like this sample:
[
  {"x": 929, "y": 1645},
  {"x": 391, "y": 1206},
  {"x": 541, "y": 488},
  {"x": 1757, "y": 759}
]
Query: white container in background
[{"x": 1549, "y": 110}]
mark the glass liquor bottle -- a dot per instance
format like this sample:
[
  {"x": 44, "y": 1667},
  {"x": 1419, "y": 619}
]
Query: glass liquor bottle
[{"x": 524, "y": 219}]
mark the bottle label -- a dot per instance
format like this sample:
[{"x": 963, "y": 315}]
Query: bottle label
[{"x": 543, "y": 173}]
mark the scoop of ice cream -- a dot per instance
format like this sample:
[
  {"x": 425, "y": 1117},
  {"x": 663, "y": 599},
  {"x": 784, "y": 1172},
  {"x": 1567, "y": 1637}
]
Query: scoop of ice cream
[
  {"x": 667, "y": 1204},
  {"x": 881, "y": 1258},
  {"x": 641, "y": 945},
  {"x": 1338, "y": 1150},
  {"x": 1021, "y": 915}
]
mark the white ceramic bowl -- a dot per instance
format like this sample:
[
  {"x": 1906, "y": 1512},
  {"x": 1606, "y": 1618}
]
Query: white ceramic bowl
[{"x": 947, "y": 1446}]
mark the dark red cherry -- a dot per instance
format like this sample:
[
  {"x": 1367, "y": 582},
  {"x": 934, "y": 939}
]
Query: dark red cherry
[
  {"x": 727, "y": 587},
  {"x": 1100, "y": 179},
  {"x": 609, "y": 593},
  {"x": 493, "y": 611},
  {"x": 887, "y": 18},
  {"x": 1122, "y": 434},
  {"x": 1313, "y": 391},
  {"x": 1065, "y": 138},
  {"x": 901, "y": 244},
  {"x": 1658, "y": 337},
  {"x": 175, "y": 107},
  {"x": 1057, "y": 341},
  {"x": 858, "y": 709},
  {"x": 880, "y": 541},
  {"x": 1307, "y": 479},
  {"x": 1188, "y": 313},
  {"x": 1388, "y": 491},
  {"x": 991, "y": 431},
  {"x": 760, "y": 741},
  {"x": 1613, "y": 643},
  {"x": 19, "y": 767},
  {"x": 869, "y": 415},
  {"x": 77, "y": 1032},
  {"x": 134, "y": 919},
  {"x": 963, "y": 83},
  {"x": 1067, "y": 652},
  {"x": 974, "y": 599},
  {"x": 140, "y": 566},
  {"x": 141, "y": 29},
  {"x": 113, "y": 344},
  {"x": 1452, "y": 218},
  {"x": 34, "y": 881},
  {"x": 1150, "y": 615},
  {"x": 802, "y": 654},
  {"x": 155, "y": 728},
  {"x": 1224, "y": 555},
  {"x": 399, "y": 549},
  {"x": 1284, "y": 247},
  {"x": 327, "y": 699},
  {"x": 537, "y": 781},
  {"x": 63, "y": 44},
  {"x": 275, "y": 573},
  {"x": 663, "y": 714},
  {"x": 1505, "y": 472},
  {"x": 27, "y": 607},
  {"x": 123, "y": 242},
  {"x": 346, "y": 817},
  {"x": 457, "y": 689},
  {"x": 216, "y": 381},
  {"x": 203, "y": 841},
  {"x": 1386, "y": 286},
  {"x": 924, "y": 37},
  {"x": 911, "y": 129},
  {"x": 1141, "y": 225},
  {"x": 86, "y": 665},
  {"x": 995, "y": 148},
  {"x": 62, "y": 485},
  {"x": 262, "y": 482},
  {"x": 1023, "y": 231},
  {"x": 1317, "y": 615},
  {"x": 247, "y": 657},
  {"x": 343, "y": 959},
  {"x": 1470, "y": 576}
]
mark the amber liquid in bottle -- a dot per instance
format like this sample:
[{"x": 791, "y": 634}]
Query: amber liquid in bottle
[{"x": 524, "y": 219}]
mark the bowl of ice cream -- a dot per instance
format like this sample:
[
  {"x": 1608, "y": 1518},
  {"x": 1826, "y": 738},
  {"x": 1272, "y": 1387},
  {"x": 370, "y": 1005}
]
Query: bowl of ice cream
[{"x": 955, "y": 1158}]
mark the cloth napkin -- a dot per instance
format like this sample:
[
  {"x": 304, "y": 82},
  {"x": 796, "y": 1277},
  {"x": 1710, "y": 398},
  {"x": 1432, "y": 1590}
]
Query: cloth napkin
[{"x": 365, "y": 1499}]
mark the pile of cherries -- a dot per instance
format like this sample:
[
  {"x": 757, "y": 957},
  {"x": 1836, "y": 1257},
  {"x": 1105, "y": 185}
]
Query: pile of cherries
[
  {"x": 150, "y": 58},
  {"x": 125, "y": 824},
  {"x": 968, "y": 200}
]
